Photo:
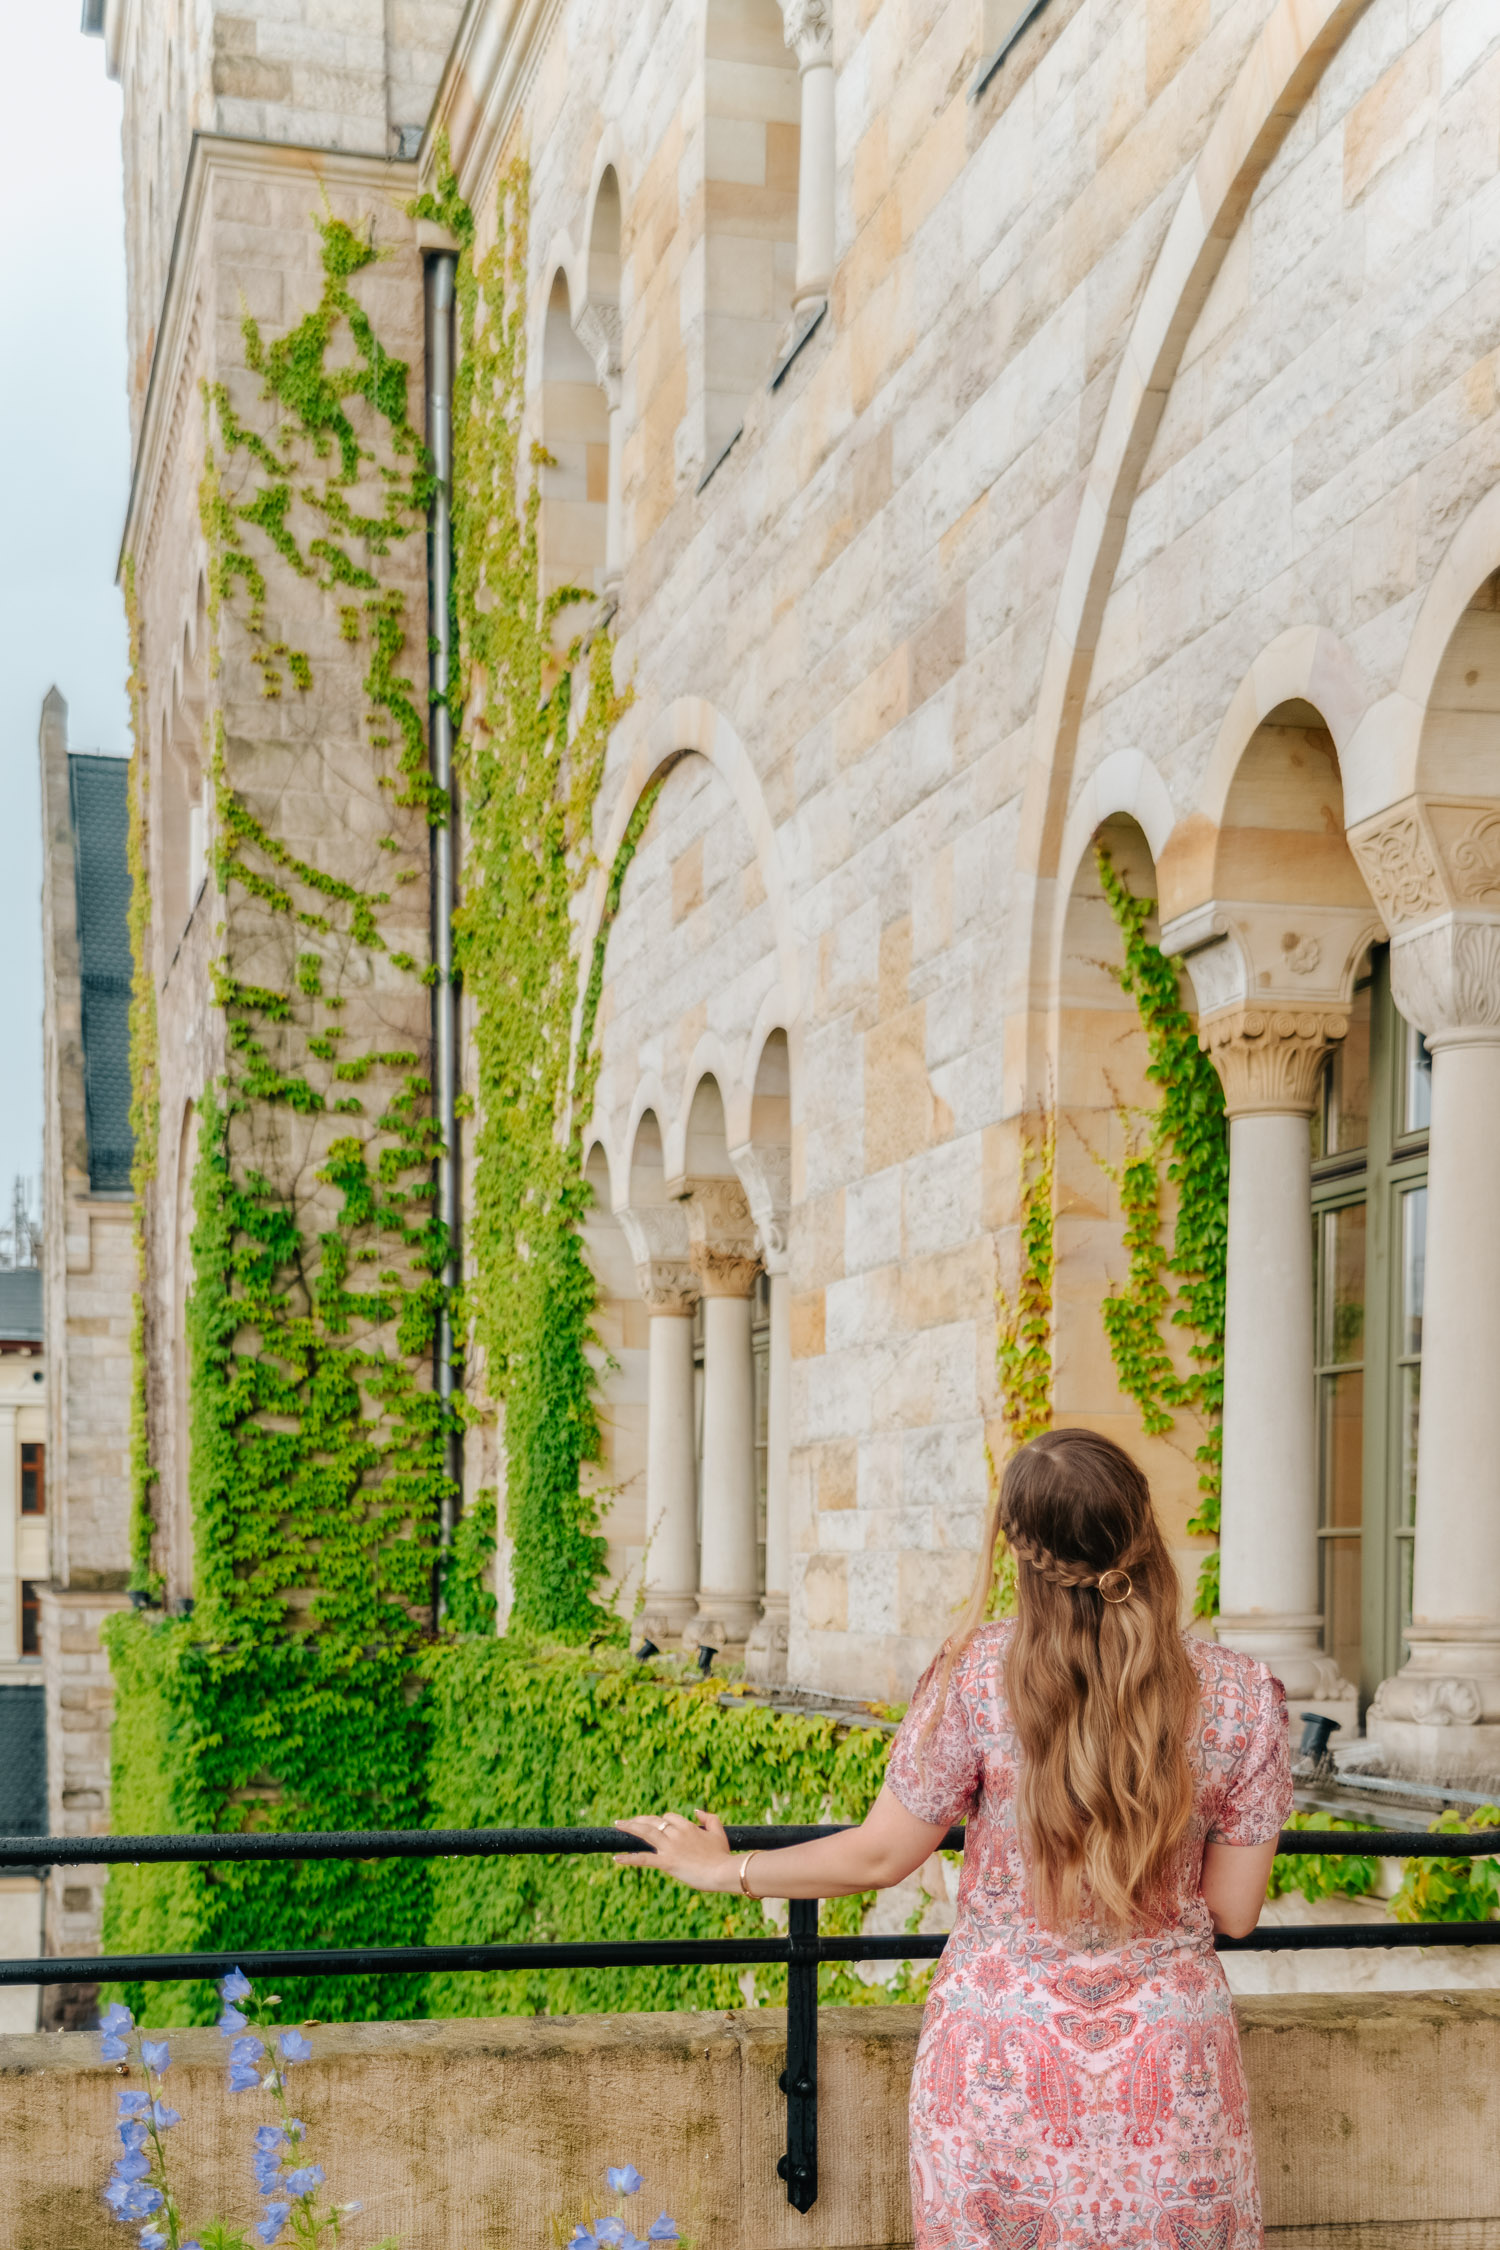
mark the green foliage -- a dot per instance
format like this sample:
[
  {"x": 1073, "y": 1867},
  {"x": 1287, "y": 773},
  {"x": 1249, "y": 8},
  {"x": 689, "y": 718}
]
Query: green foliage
[
  {"x": 525, "y": 1736},
  {"x": 1188, "y": 1130},
  {"x": 145, "y": 1097},
  {"x": 1452, "y": 1890},
  {"x": 316, "y": 1438},
  {"x": 1023, "y": 1346},
  {"x": 537, "y": 712},
  {"x": 1322, "y": 1874}
]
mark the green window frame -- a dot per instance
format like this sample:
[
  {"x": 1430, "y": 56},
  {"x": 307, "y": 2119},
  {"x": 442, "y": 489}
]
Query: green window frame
[{"x": 1370, "y": 1157}]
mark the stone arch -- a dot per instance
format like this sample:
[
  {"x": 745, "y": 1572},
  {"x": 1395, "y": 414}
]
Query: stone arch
[
  {"x": 575, "y": 432},
  {"x": 752, "y": 109},
  {"x": 1275, "y": 81}
]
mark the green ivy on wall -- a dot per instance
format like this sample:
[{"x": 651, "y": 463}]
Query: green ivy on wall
[
  {"x": 1188, "y": 1135},
  {"x": 1023, "y": 1346},
  {"x": 145, "y": 1096},
  {"x": 316, "y": 1437},
  {"x": 524, "y": 1737},
  {"x": 536, "y": 706}
]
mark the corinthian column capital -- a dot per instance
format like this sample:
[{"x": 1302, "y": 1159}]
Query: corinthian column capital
[
  {"x": 657, "y": 1236},
  {"x": 598, "y": 329},
  {"x": 1269, "y": 1058},
  {"x": 721, "y": 1237},
  {"x": 1445, "y": 979},
  {"x": 809, "y": 31},
  {"x": 766, "y": 1173}
]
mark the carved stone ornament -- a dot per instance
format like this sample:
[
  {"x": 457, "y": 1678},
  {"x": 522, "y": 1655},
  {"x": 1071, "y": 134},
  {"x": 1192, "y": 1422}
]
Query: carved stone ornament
[
  {"x": 1446, "y": 979},
  {"x": 721, "y": 1233},
  {"x": 1476, "y": 862},
  {"x": 1398, "y": 863},
  {"x": 1269, "y": 1058},
  {"x": 598, "y": 329},
  {"x": 766, "y": 1171},
  {"x": 657, "y": 1234},
  {"x": 1428, "y": 1701},
  {"x": 809, "y": 31}
]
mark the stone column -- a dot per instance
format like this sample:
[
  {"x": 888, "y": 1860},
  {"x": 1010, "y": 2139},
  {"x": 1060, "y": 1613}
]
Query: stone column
[
  {"x": 1268, "y": 1569},
  {"x": 766, "y": 1173},
  {"x": 725, "y": 1265},
  {"x": 1269, "y": 1055},
  {"x": 809, "y": 33},
  {"x": 658, "y": 1239},
  {"x": 598, "y": 329},
  {"x": 1440, "y": 1715}
]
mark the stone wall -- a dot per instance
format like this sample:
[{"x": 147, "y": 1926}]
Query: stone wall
[{"x": 1375, "y": 2123}]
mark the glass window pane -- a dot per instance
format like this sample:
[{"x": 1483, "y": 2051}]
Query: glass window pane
[
  {"x": 1416, "y": 1112},
  {"x": 1346, "y": 1084},
  {"x": 1411, "y": 1415},
  {"x": 1342, "y": 1598},
  {"x": 1343, "y": 1286},
  {"x": 1413, "y": 1268},
  {"x": 1343, "y": 1450}
]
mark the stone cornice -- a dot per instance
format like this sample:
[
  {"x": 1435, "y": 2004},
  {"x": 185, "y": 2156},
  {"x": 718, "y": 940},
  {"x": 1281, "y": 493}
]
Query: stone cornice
[
  {"x": 488, "y": 74},
  {"x": 215, "y": 155}
]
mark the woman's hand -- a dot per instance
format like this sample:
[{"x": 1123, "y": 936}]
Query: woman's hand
[{"x": 698, "y": 1856}]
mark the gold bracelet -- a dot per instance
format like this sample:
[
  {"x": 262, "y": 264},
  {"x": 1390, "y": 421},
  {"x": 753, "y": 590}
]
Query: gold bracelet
[{"x": 744, "y": 1871}]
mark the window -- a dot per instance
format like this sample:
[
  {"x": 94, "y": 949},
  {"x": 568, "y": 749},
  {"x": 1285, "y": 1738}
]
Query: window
[
  {"x": 1369, "y": 1254},
  {"x": 31, "y": 1619},
  {"x": 33, "y": 1480}
]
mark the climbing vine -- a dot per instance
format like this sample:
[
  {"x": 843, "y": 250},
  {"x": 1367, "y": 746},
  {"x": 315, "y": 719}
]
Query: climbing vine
[
  {"x": 1023, "y": 1348},
  {"x": 316, "y": 1437},
  {"x": 1183, "y": 1285},
  {"x": 537, "y": 699},
  {"x": 145, "y": 1098}
]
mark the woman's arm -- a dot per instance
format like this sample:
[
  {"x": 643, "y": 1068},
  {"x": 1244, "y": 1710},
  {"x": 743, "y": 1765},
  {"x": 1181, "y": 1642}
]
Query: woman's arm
[
  {"x": 888, "y": 1844},
  {"x": 1234, "y": 1883}
]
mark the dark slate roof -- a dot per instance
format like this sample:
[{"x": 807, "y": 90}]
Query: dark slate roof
[
  {"x": 20, "y": 1310},
  {"x": 96, "y": 788},
  {"x": 23, "y": 1764}
]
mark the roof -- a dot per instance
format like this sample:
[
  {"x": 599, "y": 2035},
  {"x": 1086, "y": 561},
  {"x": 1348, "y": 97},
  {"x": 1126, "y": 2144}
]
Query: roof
[
  {"x": 97, "y": 797},
  {"x": 20, "y": 1313},
  {"x": 23, "y": 1764}
]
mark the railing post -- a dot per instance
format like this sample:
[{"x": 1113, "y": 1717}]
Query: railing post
[{"x": 799, "y": 2080}]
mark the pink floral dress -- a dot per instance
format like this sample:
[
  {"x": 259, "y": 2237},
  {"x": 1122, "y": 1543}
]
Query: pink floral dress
[{"x": 1084, "y": 2095}]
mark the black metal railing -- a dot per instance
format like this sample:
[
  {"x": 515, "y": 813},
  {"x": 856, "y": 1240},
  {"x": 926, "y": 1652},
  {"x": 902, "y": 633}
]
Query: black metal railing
[{"x": 800, "y": 1952}]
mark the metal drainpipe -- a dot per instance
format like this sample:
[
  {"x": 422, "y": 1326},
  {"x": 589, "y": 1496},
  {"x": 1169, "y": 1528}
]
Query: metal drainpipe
[{"x": 440, "y": 273}]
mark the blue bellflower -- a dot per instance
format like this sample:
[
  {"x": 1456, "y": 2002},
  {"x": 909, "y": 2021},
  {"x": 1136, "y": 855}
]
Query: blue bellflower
[
  {"x": 134, "y": 2104},
  {"x": 611, "y": 2229},
  {"x": 275, "y": 2219},
  {"x": 136, "y": 2166},
  {"x": 232, "y": 2019},
  {"x": 236, "y": 1986},
  {"x": 163, "y": 2118},
  {"x": 155, "y": 2054},
  {"x": 294, "y": 2048},
  {"x": 662, "y": 2230},
  {"x": 306, "y": 2180},
  {"x": 133, "y": 2133},
  {"x": 623, "y": 2179}
]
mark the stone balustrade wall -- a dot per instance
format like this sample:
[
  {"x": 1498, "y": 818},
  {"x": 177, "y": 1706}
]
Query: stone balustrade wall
[{"x": 1376, "y": 2120}]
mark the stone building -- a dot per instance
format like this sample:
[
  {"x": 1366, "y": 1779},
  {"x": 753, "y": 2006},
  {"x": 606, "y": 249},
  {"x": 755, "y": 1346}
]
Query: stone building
[
  {"x": 85, "y": 1296},
  {"x": 987, "y": 437}
]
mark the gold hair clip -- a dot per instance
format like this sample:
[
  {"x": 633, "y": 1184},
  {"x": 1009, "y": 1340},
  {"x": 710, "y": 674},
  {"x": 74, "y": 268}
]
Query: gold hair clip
[{"x": 1104, "y": 1593}]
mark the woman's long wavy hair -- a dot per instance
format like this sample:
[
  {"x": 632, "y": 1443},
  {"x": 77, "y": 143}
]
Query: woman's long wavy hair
[{"x": 1102, "y": 1692}]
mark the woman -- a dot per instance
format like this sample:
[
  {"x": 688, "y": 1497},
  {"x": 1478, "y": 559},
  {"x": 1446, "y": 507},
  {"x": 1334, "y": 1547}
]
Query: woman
[{"x": 1078, "y": 2080}]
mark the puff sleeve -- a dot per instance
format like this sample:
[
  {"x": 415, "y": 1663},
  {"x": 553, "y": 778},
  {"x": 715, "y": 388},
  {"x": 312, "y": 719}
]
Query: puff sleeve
[
  {"x": 935, "y": 1768},
  {"x": 1257, "y": 1797}
]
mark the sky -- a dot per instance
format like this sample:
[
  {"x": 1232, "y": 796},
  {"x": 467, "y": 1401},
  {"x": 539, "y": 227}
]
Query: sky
[{"x": 66, "y": 475}]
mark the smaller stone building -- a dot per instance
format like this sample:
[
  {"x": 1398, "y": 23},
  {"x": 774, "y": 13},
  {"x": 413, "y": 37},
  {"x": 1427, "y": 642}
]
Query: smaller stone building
[{"x": 90, "y": 1286}]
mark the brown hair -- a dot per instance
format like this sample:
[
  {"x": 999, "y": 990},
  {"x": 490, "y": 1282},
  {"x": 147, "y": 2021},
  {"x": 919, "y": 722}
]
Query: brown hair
[{"x": 1101, "y": 1689}]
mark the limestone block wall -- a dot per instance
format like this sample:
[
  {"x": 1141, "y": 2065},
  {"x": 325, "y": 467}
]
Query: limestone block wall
[
  {"x": 301, "y": 762},
  {"x": 357, "y": 78},
  {"x": 1155, "y": 383},
  {"x": 80, "y": 1705},
  {"x": 1374, "y": 2122}
]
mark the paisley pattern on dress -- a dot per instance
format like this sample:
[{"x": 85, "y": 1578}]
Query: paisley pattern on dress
[{"x": 1079, "y": 2094}]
